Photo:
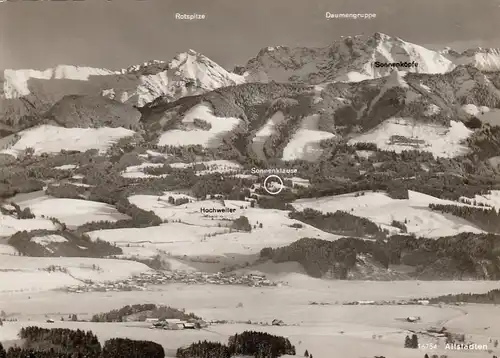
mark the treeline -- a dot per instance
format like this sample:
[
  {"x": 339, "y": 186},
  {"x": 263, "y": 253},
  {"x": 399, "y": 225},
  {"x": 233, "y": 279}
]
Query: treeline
[
  {"x": 149, "y": 310},
  {"x": 215, "y": 184},
  {"x": 248, "y": 343},
  {"x": 23, "y": 185},
  {"x": 139, "y": 218},
  {"x": 76, "y": 245},
  {"x": 65, "y": 343},
  {"x": 17, "y": 352},
  {"x": 127, "y": 348},
  {"x": 490, "y": 297},
  {"x": 463, "y": 256},
  {"x": 66, "y": 191},
  {"x": 339, "y": 222},
  {"x": 61, "y": 340},
  {"x": 487, "y": 219}
]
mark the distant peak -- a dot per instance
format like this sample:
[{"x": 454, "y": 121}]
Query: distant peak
[{"x": 381, "y": 36}]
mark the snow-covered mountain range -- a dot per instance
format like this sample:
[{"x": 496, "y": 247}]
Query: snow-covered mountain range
[
  {"x": 353, "y": 59},
  {"x": 485, "y": 59},
  {"x": 27, "y": 94},
  {"x": 349, "y": 59},
  {"x": 66, "y": 94}
]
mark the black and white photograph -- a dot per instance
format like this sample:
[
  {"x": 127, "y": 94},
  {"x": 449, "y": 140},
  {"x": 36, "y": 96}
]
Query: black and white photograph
[{"x": 249, "y": 178}]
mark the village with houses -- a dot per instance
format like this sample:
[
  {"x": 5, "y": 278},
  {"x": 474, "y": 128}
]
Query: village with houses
[
  {"x": 144, "y": 280},
  {"x": 389, "y": 303}
]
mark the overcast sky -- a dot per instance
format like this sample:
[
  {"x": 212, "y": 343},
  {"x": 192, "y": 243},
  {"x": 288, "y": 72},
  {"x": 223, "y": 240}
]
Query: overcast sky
[{"x": 119, "y": 33}]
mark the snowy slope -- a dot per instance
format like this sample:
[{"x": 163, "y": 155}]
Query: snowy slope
[
  {"x": 265, "y": 132},
  {"x": 382, "y": 210},
  {"x": 10, "y": 225},
  {"x": 191, "y": 134},
  {"x": 398, "y": 134},
  {"x": 20, "y": 273},
  {"x": 53, "y": 139},
  {"x": 72, "y": 212},
  {"x": 16, "y": 83},
  {"x": 304, "y": 144},
  {"x": 191, "y": 232}
]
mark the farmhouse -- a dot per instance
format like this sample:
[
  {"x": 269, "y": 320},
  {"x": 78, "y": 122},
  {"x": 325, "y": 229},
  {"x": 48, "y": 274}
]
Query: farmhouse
[
  {"x": 412, "y": 319},
  {"x": 175, "y": 324}
]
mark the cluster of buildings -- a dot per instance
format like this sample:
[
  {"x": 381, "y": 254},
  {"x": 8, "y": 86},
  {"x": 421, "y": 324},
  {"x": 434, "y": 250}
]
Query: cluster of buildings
[
  {"x": 176, "y": 324},
  {"x": 140, "y": 282},
  {"x": 386, "y": 303}
]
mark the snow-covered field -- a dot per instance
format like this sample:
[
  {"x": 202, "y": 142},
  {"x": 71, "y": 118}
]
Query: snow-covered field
[
  {"x": 193, "y": 135},
  {"x": 72, "y": 212},
  {"x": 398, "y": 134},
  {"x": 191, "y": 232},
  {"x": 21, "y": 273},
  {"x": 53, "y": 139},
  {"x": 304, "y": 144},
  {"x": 10, "y": 225},
  {"x": 321, "y": 329},
  {"x": 382, "y": 210},
  {"x": 66, "y": 167},
  {"x": 6, "y": 249}
]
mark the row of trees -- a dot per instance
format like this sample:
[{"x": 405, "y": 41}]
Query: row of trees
[
  {"x": 490, "y": 297},
  {"x": 65, "y": 343},
  {"x": 487, "y": 219},
  {"x": 248, "y": 343},
  {"x": 339, "y": 222},
  {"x": 61, "y": 340}
]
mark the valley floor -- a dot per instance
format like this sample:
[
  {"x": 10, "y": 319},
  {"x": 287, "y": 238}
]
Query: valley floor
[{"x": 326, "y": 331}]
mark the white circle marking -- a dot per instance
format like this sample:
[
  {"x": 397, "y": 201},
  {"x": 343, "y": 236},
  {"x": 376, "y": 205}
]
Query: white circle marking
[{"x": 277, "y": 177}]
